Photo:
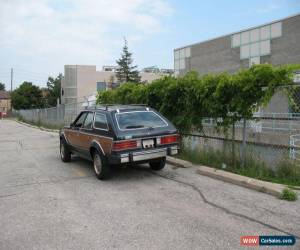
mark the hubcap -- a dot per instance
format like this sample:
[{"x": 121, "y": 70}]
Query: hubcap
[
  {"x": 62, "y": 150},
  {"x": 97, "y": 164}
]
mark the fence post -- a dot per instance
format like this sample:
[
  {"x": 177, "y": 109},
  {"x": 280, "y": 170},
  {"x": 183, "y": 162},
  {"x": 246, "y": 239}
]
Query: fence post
[
  {"x": 233, "y": 144},
  {"x": 244, "y": 144},
  {"x": 57, "y": 112}
]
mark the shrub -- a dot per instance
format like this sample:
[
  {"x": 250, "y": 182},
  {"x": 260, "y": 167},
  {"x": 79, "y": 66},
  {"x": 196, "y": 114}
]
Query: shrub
[
  {"x": 288, "y": 194},
  {"x": 188, "y": 99}
]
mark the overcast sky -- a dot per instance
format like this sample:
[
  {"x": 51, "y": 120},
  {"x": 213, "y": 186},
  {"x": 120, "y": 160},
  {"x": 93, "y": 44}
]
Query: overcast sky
[{"x": 38, "y": 37}]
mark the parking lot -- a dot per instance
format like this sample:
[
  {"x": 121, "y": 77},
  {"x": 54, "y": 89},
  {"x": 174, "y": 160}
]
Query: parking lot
[{"x": 48, "y": 204}]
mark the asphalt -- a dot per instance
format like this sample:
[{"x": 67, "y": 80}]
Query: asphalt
[{"x": 48, "y": 204}]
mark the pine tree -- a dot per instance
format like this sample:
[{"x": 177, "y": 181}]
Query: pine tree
[{"x": 126, "y": 72}]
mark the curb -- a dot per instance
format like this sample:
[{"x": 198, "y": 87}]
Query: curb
[
  {"x": 178, "y": 162},
  {"x": 243, "y": 181},
  {"x": 40, "y": 128}
]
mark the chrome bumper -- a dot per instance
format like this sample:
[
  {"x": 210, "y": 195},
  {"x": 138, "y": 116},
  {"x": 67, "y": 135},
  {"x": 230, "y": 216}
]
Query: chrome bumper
[{"x": 148, "y": 154}]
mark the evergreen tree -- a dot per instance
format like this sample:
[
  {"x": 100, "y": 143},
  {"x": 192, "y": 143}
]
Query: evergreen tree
[
  {"x": 2, "y": 86},
  {"x": 126, "y": 72}
]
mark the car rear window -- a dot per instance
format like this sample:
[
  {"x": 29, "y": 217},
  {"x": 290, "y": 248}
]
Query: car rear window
[{"x": 139, "y": 120}]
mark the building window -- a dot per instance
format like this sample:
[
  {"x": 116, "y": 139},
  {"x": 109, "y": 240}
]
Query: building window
[
  {"x": 179, "y": 58},
  {"x": 265, "y": 32},
  {"x": 254, "y": 49},
  {"x": 187, "y": 52},
  {"x": 254, "y": 35},
  {"x": 176, "y": 64},
  {"x": 245, "y": 38},
  {"x": 265, "y": 47},
  {"x": 245, "y": 51},
  {"x": 276, "y": 30},
  {"x": 101, "y": 86},
  {"x": 256, "y": 42},
  {"x": 236, "y": 40},
  {"x": 182, "y": 63},
  {"x": 176, "y": 55}
]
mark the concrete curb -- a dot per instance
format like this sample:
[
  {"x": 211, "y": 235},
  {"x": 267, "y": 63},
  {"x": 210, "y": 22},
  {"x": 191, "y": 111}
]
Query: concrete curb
[
  {"x": 40, "y": 128},
  {"x": 258, "y": 185}
]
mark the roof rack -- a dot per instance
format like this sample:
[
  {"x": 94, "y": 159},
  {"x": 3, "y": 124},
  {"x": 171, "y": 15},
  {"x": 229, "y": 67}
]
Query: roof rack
[{"x": 105, "y": 106}]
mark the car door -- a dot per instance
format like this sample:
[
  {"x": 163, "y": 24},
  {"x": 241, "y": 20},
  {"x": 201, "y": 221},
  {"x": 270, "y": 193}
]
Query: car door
[
  {"x": 86, "y": 136},
  {"x": 101, "y": 128},
  {"x": 73, "y": 134}
]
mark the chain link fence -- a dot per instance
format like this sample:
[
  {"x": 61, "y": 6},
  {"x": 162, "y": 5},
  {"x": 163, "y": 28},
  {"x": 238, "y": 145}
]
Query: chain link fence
[
  {"x": 271, "y": 138},
  {"x": 55, "y": 117}
]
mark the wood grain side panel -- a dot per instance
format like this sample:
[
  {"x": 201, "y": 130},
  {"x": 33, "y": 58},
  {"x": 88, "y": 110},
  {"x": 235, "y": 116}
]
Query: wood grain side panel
[
  {"x": 106, "y": 144},
  {"x": 70, "y": 136},
  {"x": 85, "y": 141}
]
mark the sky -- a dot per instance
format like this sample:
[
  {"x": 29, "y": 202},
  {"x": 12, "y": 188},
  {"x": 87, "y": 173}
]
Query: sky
[{"x": 39, "y": 37}]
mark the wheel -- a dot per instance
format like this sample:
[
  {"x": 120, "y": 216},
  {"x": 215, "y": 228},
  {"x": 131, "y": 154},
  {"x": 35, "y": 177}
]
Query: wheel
[
  {"x": 158, "y": 164},
  {"x": 101, "y": 168},
  {"x": 65, "y": 153}
]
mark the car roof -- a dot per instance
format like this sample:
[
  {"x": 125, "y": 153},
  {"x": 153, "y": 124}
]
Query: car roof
[{"x": 118, "y": 107}]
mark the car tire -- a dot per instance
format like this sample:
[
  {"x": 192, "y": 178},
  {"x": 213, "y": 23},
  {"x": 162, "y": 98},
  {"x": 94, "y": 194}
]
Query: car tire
[
  {"x": 158, "y": 164},
  {"x": 65, "y": 153},
  {"x": 101, "y": 167}
]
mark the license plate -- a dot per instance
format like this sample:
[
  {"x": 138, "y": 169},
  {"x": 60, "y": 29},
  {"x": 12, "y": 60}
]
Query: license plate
[{"x": 148, "y": 143}]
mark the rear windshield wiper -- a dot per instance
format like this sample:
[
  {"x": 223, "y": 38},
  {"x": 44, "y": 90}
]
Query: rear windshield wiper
[{"x": 135, "y": 126}]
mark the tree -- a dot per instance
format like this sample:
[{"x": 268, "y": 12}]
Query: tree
[
  {"x": 53, "y": 90},
  {"x": 126, "y": 72},
  {"x": 2, "y": 86},
  {"x": 27, "y": 96}
]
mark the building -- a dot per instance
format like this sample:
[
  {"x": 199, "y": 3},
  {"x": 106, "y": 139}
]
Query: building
[
  {"x": 5, "y": 101},
  {"x": 276, "y": 43},
  {"x": 82, "y": 81}
]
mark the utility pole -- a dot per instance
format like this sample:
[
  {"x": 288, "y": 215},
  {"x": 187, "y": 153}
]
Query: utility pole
[{"x": 11, "y": 79}]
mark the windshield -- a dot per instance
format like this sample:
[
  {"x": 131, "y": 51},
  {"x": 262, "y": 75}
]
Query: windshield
[{"x": 139, "y": 119}]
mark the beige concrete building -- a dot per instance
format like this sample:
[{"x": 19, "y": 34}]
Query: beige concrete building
[
  {"x": 81, "y": 81},
  {"x": 5, "y": 102}
]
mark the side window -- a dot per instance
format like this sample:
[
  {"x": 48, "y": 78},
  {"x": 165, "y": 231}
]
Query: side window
[
  {"x": 79, "y": 121},
  {"x": 100, "y": 121},
  {"x": 88, "y": 121}
]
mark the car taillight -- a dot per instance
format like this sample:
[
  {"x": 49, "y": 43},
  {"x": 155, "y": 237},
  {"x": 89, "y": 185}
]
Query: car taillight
[
  {"x": 169, "y": 139},
  {"x": 123, "y": 145}
]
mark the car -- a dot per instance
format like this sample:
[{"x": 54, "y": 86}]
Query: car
[{"x": 119, "y": 134}]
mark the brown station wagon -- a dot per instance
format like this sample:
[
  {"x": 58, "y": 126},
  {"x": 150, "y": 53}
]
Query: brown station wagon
[{"x": 119, "y": 134}]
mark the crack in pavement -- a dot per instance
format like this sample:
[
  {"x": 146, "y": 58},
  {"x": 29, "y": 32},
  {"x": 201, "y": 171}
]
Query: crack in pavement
[
  {"x": 224, "y": 209},
  {"x": 49, "y": 182},
  {"x": 9, "y": 195}
]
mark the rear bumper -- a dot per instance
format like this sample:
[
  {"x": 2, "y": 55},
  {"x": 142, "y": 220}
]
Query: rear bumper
[{"x": 144, "y": 155}]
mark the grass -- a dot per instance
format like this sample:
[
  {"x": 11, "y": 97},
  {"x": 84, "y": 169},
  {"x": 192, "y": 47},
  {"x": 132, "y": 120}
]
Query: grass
[
  {"x": 286, "y": 172},
  {"x": 288, "y": 194}
]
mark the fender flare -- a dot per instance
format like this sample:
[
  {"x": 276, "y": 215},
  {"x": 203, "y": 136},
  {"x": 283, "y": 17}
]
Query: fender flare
[
  {"x": 95, "y": 144},
  {"x": 63, "y": 137}
]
